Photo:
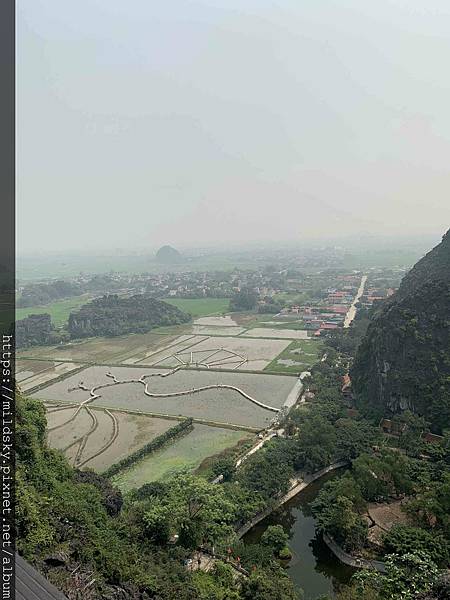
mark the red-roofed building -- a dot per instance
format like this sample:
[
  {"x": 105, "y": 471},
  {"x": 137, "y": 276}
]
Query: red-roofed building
[{"x": 328, "y": 326}]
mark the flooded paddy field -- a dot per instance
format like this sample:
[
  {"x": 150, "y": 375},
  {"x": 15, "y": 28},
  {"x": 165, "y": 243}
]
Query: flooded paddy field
[
  {"x": 64, "y": 428},
  {"x": 36, "y": 373},
  {"x": 220, "y": 353},
  {"x": 245, "y": 349},
  {"x": 186, "y": 453},
  {"x": 98, "y": 439},
  {"x": 180, "y": 344},
  {"x": 221, "y": 405},
  {"x": 59, "y": 415},
  {"x": 116, "y": 349},
  {"x": 267, "y": 332},
  {"x": 211, "y": 330},
  {"x": 217, "y": 325},
  {"x": 276, "y": 322}
]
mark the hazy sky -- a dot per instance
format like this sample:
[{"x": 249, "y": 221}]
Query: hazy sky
[{"x": 143, "y": 122}]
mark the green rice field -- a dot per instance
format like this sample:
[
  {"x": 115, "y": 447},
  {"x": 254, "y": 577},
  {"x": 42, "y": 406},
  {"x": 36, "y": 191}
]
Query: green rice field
[
  {"x": 200, "y": 307},
  {"x": 59, "y": 311},
  {"x": 299, "y": 356},
  {"x": 185, "y": 454}
]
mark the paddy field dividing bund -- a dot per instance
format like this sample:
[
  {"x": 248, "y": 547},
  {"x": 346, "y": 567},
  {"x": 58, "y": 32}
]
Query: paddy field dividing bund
[{"x": 108, "y": 397}]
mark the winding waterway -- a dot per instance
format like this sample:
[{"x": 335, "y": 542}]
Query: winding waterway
[{"x": 313, "y": 567}]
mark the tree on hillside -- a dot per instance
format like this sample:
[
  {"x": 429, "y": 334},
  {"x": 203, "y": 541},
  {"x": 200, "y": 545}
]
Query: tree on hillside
[{"x": 406, "y": 576}]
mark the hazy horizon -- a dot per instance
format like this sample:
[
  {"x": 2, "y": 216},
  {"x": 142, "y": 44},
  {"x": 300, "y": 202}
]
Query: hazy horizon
[
  {"x": 350, "y": 242},
  {"x": 221, "y": 122}
]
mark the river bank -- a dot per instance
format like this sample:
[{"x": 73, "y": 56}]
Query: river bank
[{"x": 314, "y": 568}]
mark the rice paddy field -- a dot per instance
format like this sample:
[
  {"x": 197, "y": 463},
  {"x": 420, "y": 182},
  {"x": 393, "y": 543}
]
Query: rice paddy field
[
  {"x": 222, "y": 406},
  {"x": 186, "y": 454},
  {"x": 59, "y": 311},
  {"x": 103, "y": 350},
  {"x": 276, "y": 322},
  {"x": 30, "y": 374},
  {"x": 211, "y": 330},
  {"x": 29, "y": 368},
  {"x": 224, "y": 353},
  {"x": 267, "y": 332},
  {"x": 198, "y": 307},
  {"x": 220, "y": 352},
  {"x": 99, "y": 439},
  {"x": 299, "y": 356},
  {"x": 259, "y": 341}
]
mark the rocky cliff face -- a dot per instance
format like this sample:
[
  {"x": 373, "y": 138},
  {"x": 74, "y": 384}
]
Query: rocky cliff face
[{"x": 404, "y": 359}]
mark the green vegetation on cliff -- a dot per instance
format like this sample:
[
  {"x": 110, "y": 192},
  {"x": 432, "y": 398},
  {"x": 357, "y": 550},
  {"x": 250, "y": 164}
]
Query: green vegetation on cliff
[
  {"x": 38, "y": 329},
  {"x": 404, "y": 360},
  {"x": 112, "y": 315}
]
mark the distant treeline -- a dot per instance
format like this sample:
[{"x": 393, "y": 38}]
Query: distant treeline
[
  {"x": 168, "y": 436},
  {"x": 40, "y": 294},
  {"x": 36, "y": 294}
]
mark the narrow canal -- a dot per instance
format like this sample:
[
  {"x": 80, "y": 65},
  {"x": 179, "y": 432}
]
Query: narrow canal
[{"x": 313, "y": 567}]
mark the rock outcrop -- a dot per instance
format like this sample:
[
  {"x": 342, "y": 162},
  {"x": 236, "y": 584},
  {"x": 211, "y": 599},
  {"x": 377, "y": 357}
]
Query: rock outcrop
[{"x": 404, "y": 360}]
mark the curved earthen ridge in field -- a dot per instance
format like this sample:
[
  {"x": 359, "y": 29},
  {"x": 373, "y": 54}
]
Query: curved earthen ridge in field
[
  {"x": 80, "y": 442},
  {"x": 93, "y": 391}
]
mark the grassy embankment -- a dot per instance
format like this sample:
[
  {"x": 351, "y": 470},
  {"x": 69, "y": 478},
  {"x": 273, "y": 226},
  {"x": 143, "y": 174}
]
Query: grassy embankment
[{"x": 307, "y": 353}]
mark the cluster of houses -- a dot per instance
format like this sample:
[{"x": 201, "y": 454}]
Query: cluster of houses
[
  {"x": 330, "y": 312},
  {"x": 381, "y": 284},
  {"x": 319, "y": 318},
  {"x": 186, "y": 284},
  {"x": 374, "y": 294}
]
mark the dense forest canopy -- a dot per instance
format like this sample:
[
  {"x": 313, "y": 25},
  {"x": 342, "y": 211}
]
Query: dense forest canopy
[{"x": 112, "y": 315}]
